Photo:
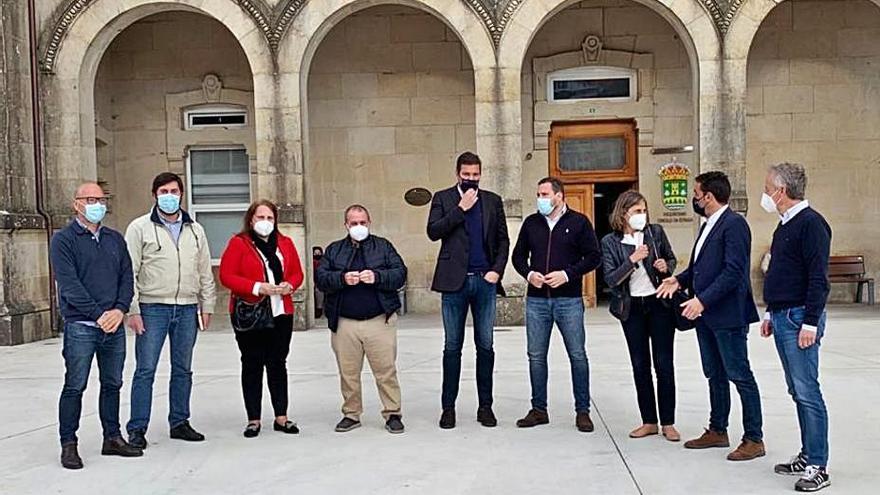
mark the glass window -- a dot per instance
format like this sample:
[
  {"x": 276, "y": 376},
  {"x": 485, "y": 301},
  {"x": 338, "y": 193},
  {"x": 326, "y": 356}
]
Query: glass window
[
  {"x": 220, "y": 226},
  {"x": 219, "y": 193},
  {"x": 219, "y": 176},
  {"x": 581, "y": 89},
  {"x": 586, "y": 154}
]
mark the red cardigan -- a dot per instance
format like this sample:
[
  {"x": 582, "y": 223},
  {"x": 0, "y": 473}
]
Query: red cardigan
[{"x": 241, "y": 267}]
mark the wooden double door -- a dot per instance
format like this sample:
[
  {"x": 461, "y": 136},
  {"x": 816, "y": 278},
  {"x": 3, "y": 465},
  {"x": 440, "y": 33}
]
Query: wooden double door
[{"x": 585, "y": 155}]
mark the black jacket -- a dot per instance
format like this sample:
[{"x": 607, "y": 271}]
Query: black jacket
[
  {"x": 617, "y": 267},
  {"x": 571, "y": 246},
  {"x": 446, "y": 224},
  {"x": 380, "y": 257}
]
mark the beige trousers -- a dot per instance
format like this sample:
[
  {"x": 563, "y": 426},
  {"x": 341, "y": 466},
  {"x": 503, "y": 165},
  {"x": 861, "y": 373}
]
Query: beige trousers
[{"x": 377, "y": 340}]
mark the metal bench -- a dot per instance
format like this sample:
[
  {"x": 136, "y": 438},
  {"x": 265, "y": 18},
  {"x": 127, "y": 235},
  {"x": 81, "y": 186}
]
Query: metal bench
[{"x": 851, "y": 270}]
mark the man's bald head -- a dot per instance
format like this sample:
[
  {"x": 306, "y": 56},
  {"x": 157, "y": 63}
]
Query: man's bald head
[{"x": 89, "y": 190}]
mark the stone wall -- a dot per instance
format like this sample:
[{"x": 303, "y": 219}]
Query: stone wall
[
  {"x": 814, "y": 98},
  {"x": 634, "y": 37},
  {"x": 390, "y": 106}
]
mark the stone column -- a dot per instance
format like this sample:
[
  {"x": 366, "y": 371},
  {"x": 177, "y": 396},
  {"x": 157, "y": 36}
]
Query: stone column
[{"x": 24, "y": 285}]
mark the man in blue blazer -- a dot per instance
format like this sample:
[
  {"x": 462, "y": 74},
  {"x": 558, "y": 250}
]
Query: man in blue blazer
[{"x": 718, "y": 280}]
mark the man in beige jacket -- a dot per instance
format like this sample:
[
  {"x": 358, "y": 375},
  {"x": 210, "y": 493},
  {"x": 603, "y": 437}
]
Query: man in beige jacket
[{"x": 173, "y": 297}]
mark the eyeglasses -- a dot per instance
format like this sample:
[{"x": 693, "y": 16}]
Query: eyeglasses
[{"x": 91, "y": 200}]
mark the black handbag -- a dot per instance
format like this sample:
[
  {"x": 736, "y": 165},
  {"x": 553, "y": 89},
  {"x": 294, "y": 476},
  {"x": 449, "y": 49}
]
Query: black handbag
[
  {"x": 678, "y": 298},
  {"x": 248, "y": 316}
]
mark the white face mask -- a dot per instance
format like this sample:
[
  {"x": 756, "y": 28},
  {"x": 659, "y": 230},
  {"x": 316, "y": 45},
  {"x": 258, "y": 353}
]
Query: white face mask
[
  {"x": 264, "y": 228},
  {"x": 768, "y": 204},
  {"x": 638, "y": 221},
  {"x": 359, "y": 232}
]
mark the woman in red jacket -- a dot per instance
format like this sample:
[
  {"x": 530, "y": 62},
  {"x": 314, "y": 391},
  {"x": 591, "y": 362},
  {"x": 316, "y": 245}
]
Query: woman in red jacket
[{"x": 260, "y": 262}]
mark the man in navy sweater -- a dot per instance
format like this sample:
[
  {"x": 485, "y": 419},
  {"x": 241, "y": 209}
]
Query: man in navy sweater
[
  {"x": 95, "y": 288},
  {"x": 717, "y": 279},
  {"x": 556, "y": 247},
  {"x": 795, "y": 290}
]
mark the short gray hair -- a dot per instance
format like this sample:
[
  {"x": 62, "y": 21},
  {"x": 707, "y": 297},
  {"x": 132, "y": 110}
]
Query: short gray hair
[{"x": 792, "y": 177}]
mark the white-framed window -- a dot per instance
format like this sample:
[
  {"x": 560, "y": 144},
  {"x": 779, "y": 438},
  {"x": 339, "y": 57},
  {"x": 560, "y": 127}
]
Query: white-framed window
[
  {"x": 592, "y": 83},
  {"x": 215, "y": 117},
  {"x": 219, "y": 192}
]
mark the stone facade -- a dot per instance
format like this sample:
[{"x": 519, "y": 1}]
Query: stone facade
[{"x": 746, "y": 82}]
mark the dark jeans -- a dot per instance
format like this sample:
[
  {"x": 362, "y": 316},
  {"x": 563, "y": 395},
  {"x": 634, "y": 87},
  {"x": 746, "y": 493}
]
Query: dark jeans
[
  {"x": 265, "y": 348},
  {"x": 725, "y": 356},
  {"x": 81, "y": 344},
  {"x": 479, "y": 296},
  {"x": 180, "y": 324},
  {"x": 650, "y": 334},
  {"x": 801, "y": 368},
  {"x": 568, "y": 314}
]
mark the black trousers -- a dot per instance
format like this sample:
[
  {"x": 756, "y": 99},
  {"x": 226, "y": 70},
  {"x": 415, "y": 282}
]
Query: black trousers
[
  {"x": 650, "y": 335},
  {"x": 265, "y": 348}
]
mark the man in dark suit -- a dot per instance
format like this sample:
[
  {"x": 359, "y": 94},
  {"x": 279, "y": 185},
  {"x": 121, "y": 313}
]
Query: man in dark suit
[
  {"x": 472, "y": 228},
  {"x": 723, "y": 307}
]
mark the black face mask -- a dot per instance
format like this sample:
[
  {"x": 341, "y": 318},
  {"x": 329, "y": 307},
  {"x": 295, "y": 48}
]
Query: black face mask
[
  {"x": 469, "y": 184},
  {"x": 699, "y": 210},
  {"x": 317, "y": 256}
]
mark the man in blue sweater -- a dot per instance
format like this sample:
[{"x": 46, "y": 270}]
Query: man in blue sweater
[
  {"x": 95, "y": 287},
  {"x": 795, "y": 290}
]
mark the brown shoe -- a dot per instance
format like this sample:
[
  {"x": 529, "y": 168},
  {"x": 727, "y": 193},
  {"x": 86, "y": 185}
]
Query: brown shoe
[
  {"x": 583, "y": 422},
  {"x": 709, "y": 439},
  {"x": 747, "y": 451},
  {"x": 533, "y": 418},
  {"x": 643, "y": 431}
]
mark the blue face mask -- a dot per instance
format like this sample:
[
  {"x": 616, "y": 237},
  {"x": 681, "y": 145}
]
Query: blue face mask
[
  {"x": 168, "y": 203},
  {"x": 95, "y": 213},
  {"x": 545, "y": 206}
]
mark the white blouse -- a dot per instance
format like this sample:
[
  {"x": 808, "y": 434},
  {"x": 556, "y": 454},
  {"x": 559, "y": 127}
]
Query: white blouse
[
  {"x": 640, "y": 284},
  {"x": 276, "y": 299}
]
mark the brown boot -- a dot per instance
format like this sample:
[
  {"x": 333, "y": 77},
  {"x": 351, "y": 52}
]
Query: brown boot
[
  {"x": 747, "y": 451},
  {"x": 709, "y": 439},
  {"x": 533, "y": 418},
  {"x": 583, "y": 422}
]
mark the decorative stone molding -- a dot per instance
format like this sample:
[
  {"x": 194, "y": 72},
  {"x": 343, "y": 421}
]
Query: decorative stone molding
[
  {"x": 722, "y": 12},
  {"x": 272, "y": 23},
  {"x": 211, "y": 85},
  {"x": 495, "y": 14},
  {"x": 592, "y": 47}
]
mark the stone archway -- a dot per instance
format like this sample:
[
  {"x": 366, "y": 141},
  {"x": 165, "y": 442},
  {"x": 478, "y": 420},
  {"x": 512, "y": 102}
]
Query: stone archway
[{"x": 69, "y": 92}]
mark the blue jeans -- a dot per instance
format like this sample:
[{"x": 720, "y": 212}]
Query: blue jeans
[
  {"x": 568, "y": 314},
  {"x": 801, "y": 368},
  {"x": 180, "y": 324},
  {"x": 725, "y": 356},
  {"x": 479, "y": 296},
  {"x": 81, "y": 344}
]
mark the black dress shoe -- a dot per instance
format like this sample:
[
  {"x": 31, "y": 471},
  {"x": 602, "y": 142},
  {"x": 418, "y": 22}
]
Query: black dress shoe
[
  {"x": 447, "y": 419},
  {"x": 252, "y": 430},
  {"x": 184, "y": 431},
  {"x": 288, "y": 427},
  {"x": 118, "y": 446},
  {"x": 486, "y": 417},
  {"x": 138, "y": 439},
  {"x": 70, "y": 457}
]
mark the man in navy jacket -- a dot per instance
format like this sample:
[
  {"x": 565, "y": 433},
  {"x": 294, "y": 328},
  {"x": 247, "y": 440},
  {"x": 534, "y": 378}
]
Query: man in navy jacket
[
  {"x": 718, "y": 280},
  {"x": 556, "y": 247},
  {"x": 95, "y": 287}
]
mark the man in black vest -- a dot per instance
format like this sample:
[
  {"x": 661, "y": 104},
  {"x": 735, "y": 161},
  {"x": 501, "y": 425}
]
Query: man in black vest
[{"x": 471, "y": 224}]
